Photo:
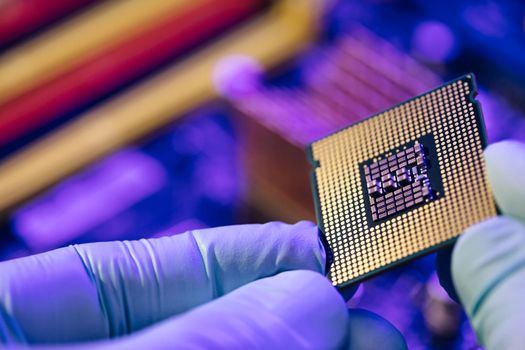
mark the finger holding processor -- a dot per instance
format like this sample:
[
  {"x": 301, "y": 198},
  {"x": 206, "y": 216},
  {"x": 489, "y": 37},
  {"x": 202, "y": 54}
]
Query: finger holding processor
[{"x": 402, "y": 183}]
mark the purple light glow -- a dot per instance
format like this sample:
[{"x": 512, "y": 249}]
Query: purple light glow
[
  {"x": 236, "y": 76},
  {"x": 434, "y": 42},
  {"x": 486, "y": 18},
  {"x": 501, "y": 121},
  {"x": 88, "y": 199}
]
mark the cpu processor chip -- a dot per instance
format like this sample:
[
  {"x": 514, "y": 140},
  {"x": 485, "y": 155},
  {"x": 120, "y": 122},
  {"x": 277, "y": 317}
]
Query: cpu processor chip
[{"x": 402, "y": 183}]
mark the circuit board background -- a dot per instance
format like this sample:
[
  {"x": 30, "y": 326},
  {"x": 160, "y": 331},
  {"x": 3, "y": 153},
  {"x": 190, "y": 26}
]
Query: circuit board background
[{"x": 202, "y": 170}]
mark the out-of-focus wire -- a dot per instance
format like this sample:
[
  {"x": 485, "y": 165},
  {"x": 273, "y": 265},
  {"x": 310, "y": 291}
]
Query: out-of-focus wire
[
  {"x": 92, "y": 78},
  {"x": 19, "y": 18},
  {"x": 61, "y": 48},
  {"x": 270, "y": 39}
]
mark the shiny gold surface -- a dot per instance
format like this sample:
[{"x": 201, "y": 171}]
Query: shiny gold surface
[{"x": 359, "y": 250}]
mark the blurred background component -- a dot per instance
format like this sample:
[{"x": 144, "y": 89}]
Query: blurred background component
[
  {"x": 81, "y": 71},
  {"x": 150, "y": 104},
  {"x": 128, "y": 119},
  {"x": 356, "y": 76}
]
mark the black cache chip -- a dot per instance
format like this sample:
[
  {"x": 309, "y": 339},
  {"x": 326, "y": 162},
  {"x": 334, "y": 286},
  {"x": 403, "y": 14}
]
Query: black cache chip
[
  {"x": 401, "y": 183},
  {"x": 401, "y": 179}
]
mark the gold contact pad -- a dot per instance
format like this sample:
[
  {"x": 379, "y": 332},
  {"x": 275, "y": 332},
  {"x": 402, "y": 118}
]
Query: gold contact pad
[{"x": 359, "y": 250}]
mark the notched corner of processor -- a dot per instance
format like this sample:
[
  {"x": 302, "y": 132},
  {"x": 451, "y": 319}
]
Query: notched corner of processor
[
  {"x": 310, "y": 156},
  {"x": 471, "y": 79}
]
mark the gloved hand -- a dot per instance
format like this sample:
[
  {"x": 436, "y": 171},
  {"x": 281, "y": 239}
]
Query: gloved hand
[
  {"x": 238, "y": 287},
  {"x": 226, "y": 287},
  {"x": 488, "y": 260}
]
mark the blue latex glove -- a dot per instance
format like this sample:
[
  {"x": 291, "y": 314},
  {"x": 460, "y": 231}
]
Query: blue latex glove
[
  {"x": 238, "y": 287},
  {"x": 488, "y": 260}
]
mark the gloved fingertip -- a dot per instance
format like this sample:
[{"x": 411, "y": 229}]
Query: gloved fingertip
[
  {"x": 306, "y": 223},
  {"x": 310, "y": 231},
  {"x": 504, "y": 161},
  {"x": 367, "y": 331},
  {"x": 483, "y": 255},
  {"x": 294, "y": 309},
  {"x": 504, "y": 147}
]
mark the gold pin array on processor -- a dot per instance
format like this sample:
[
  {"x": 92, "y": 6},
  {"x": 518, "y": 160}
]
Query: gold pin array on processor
[{"x": 401, "y": 183}]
